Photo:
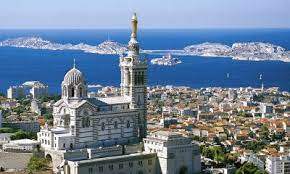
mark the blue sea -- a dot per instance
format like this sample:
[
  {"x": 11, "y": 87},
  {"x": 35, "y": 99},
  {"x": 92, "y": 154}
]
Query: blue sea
[{"x": 21, "y": 64}]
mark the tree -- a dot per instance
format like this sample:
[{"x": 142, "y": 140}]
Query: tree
[
  {"x": 7, "y": 130},
  {"x": 37, "y": 164},
  {"x": 249, "y": 168},
  {"x": 23, "y": 135},
  {"x": 258, "y": 98},
  {"x": 252, "y": 134},
  {"x": 255, "y": 146},
  {"x": 264, "y": 132}
]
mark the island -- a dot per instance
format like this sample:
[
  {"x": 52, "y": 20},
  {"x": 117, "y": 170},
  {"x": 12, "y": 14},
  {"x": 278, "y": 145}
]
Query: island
[
  {"x": 253, "y": 51},
  {"x": 106, "y": 47},
  {"x": 166, "y": 60}
]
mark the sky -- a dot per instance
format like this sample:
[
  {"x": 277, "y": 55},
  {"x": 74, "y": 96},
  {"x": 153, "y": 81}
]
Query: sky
[{"x": 151, "y": 13}]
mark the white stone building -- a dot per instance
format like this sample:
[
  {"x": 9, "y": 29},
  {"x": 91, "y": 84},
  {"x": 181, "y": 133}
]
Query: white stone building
[
  {"x": 15, "y": 92},
  {"x": 175, "y": 153},
  {"x": 35, "y": 89},
  {"x": 22, "y": 145},
  {"x": 278, "y": 164},
  {"x": 104, "y": 135}
]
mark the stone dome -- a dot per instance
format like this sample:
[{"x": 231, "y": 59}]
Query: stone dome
[{"x": 73, "y": 77}]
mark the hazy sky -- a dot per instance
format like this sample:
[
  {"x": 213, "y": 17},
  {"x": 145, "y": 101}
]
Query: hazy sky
[{"x": 152, "y": 13}]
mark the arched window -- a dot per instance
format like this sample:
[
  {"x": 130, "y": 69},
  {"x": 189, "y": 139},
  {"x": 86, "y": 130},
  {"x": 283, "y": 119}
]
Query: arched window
[
  {"x": 81, "y": 91},
  {"x": 115, "y": 125},
  {"x": 72, "y": 92},
  {"x": 138, "y": 100},
  {"x": 139, "y": 78},
  {"x": 103, "y": 126},
  {"x": 86, "y": 122},
  {"x": 129, "y": 78},
  {"x": 142, "y": 78},
  {"x": 64, "y": 91},
  {"x": 128, "y": 124},
  {"x": 135, "y": 77}
]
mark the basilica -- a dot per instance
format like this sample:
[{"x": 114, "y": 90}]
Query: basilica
[{"x": 105, "y": 135}]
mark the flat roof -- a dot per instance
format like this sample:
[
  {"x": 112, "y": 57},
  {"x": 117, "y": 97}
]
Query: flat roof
[
  {"x": 115, "y": 100},
  {"x": 117, "y": 158}
]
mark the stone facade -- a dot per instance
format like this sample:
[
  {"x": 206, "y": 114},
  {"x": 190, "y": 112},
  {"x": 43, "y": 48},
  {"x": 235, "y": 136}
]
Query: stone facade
[
  {"x": 104, "y": 135},
  {"x": 80, "y": 122},
  {"x": 175, "y": 153}
]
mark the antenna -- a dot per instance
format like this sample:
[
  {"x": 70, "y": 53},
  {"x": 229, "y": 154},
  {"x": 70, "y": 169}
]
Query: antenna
[{"x": 74, "y": 63}]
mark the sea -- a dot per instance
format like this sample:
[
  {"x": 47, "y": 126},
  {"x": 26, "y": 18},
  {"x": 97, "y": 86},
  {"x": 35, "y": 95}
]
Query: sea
[{"x": 18, "y": 65}]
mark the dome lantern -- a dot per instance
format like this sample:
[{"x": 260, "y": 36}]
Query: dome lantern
[{"x": 73, "y": 84}]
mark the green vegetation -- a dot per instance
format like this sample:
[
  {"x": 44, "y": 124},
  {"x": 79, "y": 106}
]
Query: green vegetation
[
  {"x": 198, "y": 138},
  {"x": 36, "y": 164},
  {"x": 48, "y": 116},
  {"x": 23, "y": 135},
  {"x": 7, "y": 130},
  {"x": 19, "y": 109},
  {"x": 49, "y": 98},
  {"x": 219, "y": 154},
  {"x": 264, "y": 132},
  {"x": 252, "y": 134},
  {"x": 216, "y": 153},
  {"x": 258, "y": 97},
  {"x": 249, "y": 168},
  {"x": 255, "y": 146},
  {"x": 25, "y": 102}
]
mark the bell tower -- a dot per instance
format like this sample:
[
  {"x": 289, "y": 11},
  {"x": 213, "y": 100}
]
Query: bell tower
[{"x": 134, "y": 78}]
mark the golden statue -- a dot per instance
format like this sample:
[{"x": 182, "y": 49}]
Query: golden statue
[{"x": 134, "y": 22}]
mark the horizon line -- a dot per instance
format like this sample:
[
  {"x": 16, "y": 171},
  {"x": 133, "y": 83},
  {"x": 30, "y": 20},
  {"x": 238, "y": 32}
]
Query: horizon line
[{"x": 144, "y": 28}]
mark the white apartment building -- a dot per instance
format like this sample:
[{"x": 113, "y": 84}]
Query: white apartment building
[{"x": 278, "y": 164}]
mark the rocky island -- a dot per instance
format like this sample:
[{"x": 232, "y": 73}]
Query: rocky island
[
  {"x": 253, "y": 51},
  {"x": 166, "y": 60},
  {"x": 106, "y": 47}
]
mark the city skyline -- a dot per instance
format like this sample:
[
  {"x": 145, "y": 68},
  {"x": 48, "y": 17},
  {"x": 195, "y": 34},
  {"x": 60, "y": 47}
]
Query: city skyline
[{"x": 155, "y": 14}]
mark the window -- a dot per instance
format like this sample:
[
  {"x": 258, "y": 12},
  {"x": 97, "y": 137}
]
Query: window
[
  {"x": 63, "y": 145},
  {"x": 103, "y": 126},
  {"x": 140, "y": 163},
  {"x": 111, "y": 167},
  {"x": 115, "y": 125},
  {"x": 150, "y": 162},
  {"x": 121, "y": 166},
  {"x": 128, "y": 124},
  {"x": 140, "y": 172},
  {"x": 101, "y": 169},
  {"x": 72, "y": 92},
  {"x": 86, "y": 122},
  {"x": 81, "y": 91},
  {"x": 90, "y": 170},
  {"x": 131, "y": 164}
]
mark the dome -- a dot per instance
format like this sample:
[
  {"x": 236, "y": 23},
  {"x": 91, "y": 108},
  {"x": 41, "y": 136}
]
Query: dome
[{"x": 73, "y": 77}]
